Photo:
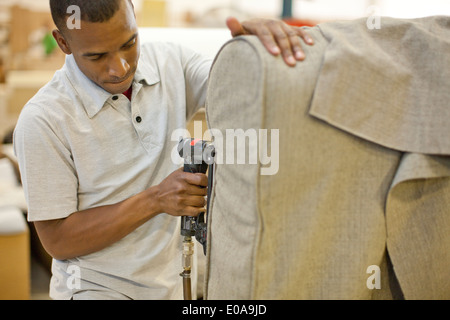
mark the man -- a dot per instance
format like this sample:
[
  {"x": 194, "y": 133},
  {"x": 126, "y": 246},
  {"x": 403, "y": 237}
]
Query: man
[{"x": 94, "y": 152}]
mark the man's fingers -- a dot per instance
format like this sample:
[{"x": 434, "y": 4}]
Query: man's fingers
[
  {"x": 287, "y": 41},
  {"x": 305, "y": 36},
  {"x": 279, "y": 37},
  {"x": 294, "y": 39},
  {"x": 254, "y": 27},
  {"x": 267, "y": 39},
  {"x": 194, "y": 206},
  {"x": 276, "y": 36},
  {"x": 291, "y": 47},
  {"x": 198, "y": 179},
  {"x": 196, "y": 190},
  {"x": 195, "y": 201}
]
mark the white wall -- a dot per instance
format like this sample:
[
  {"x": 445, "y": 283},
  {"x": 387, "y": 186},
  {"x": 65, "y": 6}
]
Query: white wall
[
  {"x": 323, "y": 9},
  {"x": 205, "y": 41},
  {"x": 414, "y": 8},
  {"x": 316, "y": 9}
]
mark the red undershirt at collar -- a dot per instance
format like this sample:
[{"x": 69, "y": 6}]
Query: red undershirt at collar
[{"x": 128, "y": 93}]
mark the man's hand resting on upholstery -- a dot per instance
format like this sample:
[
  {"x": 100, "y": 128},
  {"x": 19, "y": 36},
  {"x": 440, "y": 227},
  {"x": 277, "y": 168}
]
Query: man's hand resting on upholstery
[{"x": 276, "y": 36}]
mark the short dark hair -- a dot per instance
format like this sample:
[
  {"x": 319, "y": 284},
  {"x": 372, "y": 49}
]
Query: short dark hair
[{"x": 90, "y": 10}]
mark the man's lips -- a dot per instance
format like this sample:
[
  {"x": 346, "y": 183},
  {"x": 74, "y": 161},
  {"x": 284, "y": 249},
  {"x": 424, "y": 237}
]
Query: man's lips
[{"x": 120, "y": 80}]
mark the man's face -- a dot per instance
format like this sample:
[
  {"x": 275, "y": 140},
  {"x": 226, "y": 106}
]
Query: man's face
[{"x": 106, "y": 52}]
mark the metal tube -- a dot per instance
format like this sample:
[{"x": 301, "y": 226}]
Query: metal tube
[
  {"x": 188, "y": 252},
  {"x": 187, "y": 291}
]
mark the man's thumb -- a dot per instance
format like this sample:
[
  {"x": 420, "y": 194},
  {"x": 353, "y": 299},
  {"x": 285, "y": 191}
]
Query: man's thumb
[{"x": 235, "y": 27}]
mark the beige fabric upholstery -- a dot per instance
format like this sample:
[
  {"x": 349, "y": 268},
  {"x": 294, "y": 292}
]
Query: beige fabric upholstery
[{"x": 358, "y": 184}]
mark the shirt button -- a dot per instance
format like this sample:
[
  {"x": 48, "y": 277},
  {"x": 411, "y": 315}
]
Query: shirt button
[
  {"x": 115, "y": 98},
  {"x": 138, "y": 119}
]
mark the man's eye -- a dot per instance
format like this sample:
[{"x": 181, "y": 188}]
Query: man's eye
[
  {"x": 95, "y": 58},
  {"x": 131, "y": 44}
]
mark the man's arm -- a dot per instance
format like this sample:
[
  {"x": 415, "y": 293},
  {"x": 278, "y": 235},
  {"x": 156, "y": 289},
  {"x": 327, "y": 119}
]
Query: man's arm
[
  {"x": 91, "y": 230},
  {"x": 275, "y": 35}
]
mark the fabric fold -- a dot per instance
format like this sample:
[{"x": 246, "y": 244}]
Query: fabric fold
[
  {"x": 418, "y": 226},
  {"x": 388, "y": 85}
]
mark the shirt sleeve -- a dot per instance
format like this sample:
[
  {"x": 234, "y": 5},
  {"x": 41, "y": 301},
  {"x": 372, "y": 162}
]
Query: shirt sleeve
[
  {"x": 47, "y": 169},
  {"x": 196, "y": 69}
]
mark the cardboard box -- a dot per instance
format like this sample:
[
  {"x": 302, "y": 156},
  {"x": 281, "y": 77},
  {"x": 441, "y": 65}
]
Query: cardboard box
[{"x": 15, "y": 268}]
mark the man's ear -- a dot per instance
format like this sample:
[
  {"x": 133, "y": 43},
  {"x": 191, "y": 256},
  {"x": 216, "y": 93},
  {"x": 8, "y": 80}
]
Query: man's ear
[{"x": 62, "y": 43}]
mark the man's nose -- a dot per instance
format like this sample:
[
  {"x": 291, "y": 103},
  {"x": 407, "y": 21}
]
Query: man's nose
[{"x": 118, "y": 67}]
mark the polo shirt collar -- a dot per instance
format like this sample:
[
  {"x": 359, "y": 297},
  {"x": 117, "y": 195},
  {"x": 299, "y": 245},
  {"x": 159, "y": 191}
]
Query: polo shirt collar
[
  {"x": 92, "y": 95},
  {"x": 146, "y": 73}
]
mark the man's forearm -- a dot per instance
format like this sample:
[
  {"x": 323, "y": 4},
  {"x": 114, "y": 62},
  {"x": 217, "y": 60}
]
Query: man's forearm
[
  {"x": 88, "y": 231},
  {"x": 91, "y": 230}
]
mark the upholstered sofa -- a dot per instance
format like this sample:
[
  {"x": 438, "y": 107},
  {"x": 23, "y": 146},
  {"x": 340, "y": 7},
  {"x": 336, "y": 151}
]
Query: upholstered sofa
[{"x": 349, "y": 195}]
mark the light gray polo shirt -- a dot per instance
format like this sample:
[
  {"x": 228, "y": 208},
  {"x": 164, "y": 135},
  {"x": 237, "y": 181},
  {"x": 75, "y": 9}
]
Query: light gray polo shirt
[{"x": 80, "y": 147}]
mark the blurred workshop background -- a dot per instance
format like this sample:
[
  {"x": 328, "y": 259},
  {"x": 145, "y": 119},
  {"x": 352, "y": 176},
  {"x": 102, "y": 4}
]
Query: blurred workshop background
[{"x": 29, "y": 57}]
